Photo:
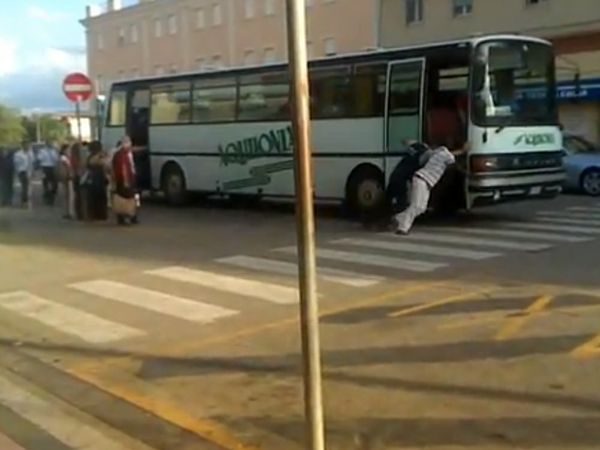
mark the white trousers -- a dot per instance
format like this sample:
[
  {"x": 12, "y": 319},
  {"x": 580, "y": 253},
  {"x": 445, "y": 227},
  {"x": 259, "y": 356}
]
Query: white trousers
[{"x": 419, "y": 200}]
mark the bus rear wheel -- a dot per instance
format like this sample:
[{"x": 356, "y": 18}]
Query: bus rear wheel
[
  {"x": 365, "y": 193},
  {"x": 174, "y": 185}
]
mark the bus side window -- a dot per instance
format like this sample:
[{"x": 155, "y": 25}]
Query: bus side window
[
  {"x": 117, "y": 109},
  {"x": 170, "y": 104},
  {"x": 331, "y": 93},
  {"x": 214, "y": 101},
  {"x": 264, "y": 97},
  {"x": 369, "y": 85}
]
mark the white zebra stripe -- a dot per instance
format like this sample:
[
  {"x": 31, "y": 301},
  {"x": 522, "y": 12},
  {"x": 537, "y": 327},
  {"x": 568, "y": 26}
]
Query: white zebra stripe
[
  {"x": 569, "y": 221},
  {"x": 418, "y": 248},
  {"x": 181, "y": 308},
  {"x": 547, "y": 227},
  {"x": 345, "y": 277},
  {"x": 371, "y": 260},
  {"x": 66, "y": 319},
  {"x": 592, "y": 209},
  {"x": 274, "y": 293},
  {"x": 45, "y": 415},
  {"x": 569, "y": 215},
  {"x": 533, "y": 236},
  {"x": 469, "y": 240}
]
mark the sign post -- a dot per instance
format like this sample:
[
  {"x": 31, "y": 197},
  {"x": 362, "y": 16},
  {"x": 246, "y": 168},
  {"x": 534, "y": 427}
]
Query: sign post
[
  {"x": 309, "y": 311},
  {"x": 78, "y": 88}
]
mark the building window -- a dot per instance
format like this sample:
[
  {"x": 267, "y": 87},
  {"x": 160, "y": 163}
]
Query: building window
[
  {"x": 217, "y": 14},
  {"x": 269, "y": 7},
  {"x": 158, "y": 70},
  {"x": 201, "y": 64},
  {"x": 173, "y": 68},
  {"x": 158, "y": 31},
  {"x": 171, "y": 103},
  {"x": 462, "y": 7},
  {"x": 414, "y": 11},
  {"x": 200, "y": 19},
  {"x": 330, "y": 47},
  {"x": 172, "y": 24},
  {"x": 269, "y": 56},
  {"x": 134, "y": 35},
  {"x": 121, "y": 36},
  {"x": 99, "y": 85},
  {"x": 249, "y": 57},
  {"x": 249, "y": 8},
  {"x": 217, "y": 62},
  {"x": 100, "y": 41}
]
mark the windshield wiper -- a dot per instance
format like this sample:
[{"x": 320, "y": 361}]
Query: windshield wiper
[{"x": 506, "y": 123}]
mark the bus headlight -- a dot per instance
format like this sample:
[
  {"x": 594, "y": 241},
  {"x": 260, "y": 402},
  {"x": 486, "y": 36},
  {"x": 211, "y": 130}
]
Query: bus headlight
[{"x": 484, "y": 163}]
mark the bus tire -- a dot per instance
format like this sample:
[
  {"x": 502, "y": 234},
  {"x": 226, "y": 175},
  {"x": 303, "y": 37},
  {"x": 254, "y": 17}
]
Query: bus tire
[
  {"x": 365, "y": 192},
  {"x": 174, "y": 185}
]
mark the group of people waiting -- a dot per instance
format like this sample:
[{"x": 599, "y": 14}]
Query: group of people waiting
[{"x": 89, "y": 177}]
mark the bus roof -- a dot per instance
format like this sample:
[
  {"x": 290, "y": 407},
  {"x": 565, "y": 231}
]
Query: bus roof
[{"x": 367, "y": 55}]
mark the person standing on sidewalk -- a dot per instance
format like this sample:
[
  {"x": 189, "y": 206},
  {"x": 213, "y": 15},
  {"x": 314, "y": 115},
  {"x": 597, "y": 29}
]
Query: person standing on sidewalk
[
  {"x": 125, "y": 181},
  {"x": 48, "y": 160},
  {"x": 437, "y": 161},
  {"x": 23, "y": 162},
  {"x": 7, "y": 174}
]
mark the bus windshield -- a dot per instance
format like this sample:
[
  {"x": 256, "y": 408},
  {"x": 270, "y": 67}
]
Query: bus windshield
[{"x": 514, "y": 84}]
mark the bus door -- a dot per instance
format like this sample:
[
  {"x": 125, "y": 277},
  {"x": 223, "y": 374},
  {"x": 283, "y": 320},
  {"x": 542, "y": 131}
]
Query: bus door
[
  {"x": 404, "y": 110},
  {"x": 138, "y": 120}
]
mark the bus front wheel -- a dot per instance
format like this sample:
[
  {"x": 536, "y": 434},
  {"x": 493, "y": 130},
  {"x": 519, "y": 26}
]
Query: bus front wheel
[
  {"x": 173, "y": 185},
  {"x": 365, "y": 194}
]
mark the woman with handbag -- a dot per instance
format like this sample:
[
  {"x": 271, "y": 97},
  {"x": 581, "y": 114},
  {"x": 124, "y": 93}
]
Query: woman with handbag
[{"x": 125, "y": 199}]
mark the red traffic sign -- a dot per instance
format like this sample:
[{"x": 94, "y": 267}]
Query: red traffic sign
[{"x": 77, "y": 87}]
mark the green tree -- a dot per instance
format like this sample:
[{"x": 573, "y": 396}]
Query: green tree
[
  {"x": 12, "y": 131},
  {"x": 50, "y": 128}
]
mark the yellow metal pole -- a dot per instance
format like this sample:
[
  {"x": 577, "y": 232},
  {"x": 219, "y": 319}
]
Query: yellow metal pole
[{"x": 309, "y": 311}]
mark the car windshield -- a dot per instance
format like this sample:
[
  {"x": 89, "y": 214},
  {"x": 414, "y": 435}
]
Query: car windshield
[
  {"x": 514, "y": 84},
  {"x": 575, "y": 145}
]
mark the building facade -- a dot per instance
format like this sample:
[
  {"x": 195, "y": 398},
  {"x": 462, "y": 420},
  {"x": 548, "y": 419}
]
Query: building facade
[
  {"x": 573, "y": 26},
  {"x": 153, "y": 37}
]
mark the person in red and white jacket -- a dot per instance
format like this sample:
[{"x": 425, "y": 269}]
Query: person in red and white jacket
[{"x": 124, "y": 173}]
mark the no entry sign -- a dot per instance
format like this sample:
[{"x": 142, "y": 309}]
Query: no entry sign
[{"x": 77, "y": 87}]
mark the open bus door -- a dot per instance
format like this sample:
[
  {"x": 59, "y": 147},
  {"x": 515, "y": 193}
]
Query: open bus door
[
  {"x": 404, "y": 110},
  {"x": 138, "y": 120}
]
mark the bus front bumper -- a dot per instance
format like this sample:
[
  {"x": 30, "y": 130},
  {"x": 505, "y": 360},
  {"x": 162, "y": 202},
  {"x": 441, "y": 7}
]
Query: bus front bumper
[{"x": 491, "y": 188}]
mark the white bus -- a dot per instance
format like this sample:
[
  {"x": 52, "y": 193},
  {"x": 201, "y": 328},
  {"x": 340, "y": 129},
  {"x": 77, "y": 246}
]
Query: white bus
[{"x": 227, "y": 132}]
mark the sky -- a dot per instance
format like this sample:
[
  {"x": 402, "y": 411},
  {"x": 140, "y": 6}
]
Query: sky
[{"x": 41, "y": 41}]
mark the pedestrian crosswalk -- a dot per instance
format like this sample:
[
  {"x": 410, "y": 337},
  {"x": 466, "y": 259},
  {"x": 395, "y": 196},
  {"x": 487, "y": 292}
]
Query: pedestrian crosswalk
[
  {"x": 50, "y": 424},
  {"x": 238, "y": 284}
]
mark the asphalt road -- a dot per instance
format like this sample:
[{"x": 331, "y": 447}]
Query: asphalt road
[{"x": 474, "y": 332}]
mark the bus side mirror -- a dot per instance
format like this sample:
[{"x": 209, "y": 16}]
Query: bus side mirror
[{"x": 577, "y": 83}]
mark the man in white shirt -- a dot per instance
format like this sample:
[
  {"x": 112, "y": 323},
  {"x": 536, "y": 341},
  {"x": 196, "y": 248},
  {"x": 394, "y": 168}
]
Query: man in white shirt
[
  {"x": 23, "y": 162},
  {"x": 48, "y": 159},
  {"x": 436, "y": 162}
]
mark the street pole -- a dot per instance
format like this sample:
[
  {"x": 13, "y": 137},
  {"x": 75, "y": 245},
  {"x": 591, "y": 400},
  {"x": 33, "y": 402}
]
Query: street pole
[
  {"x": 78, "y": 114},
  {"x": 309, "y": 311}
]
